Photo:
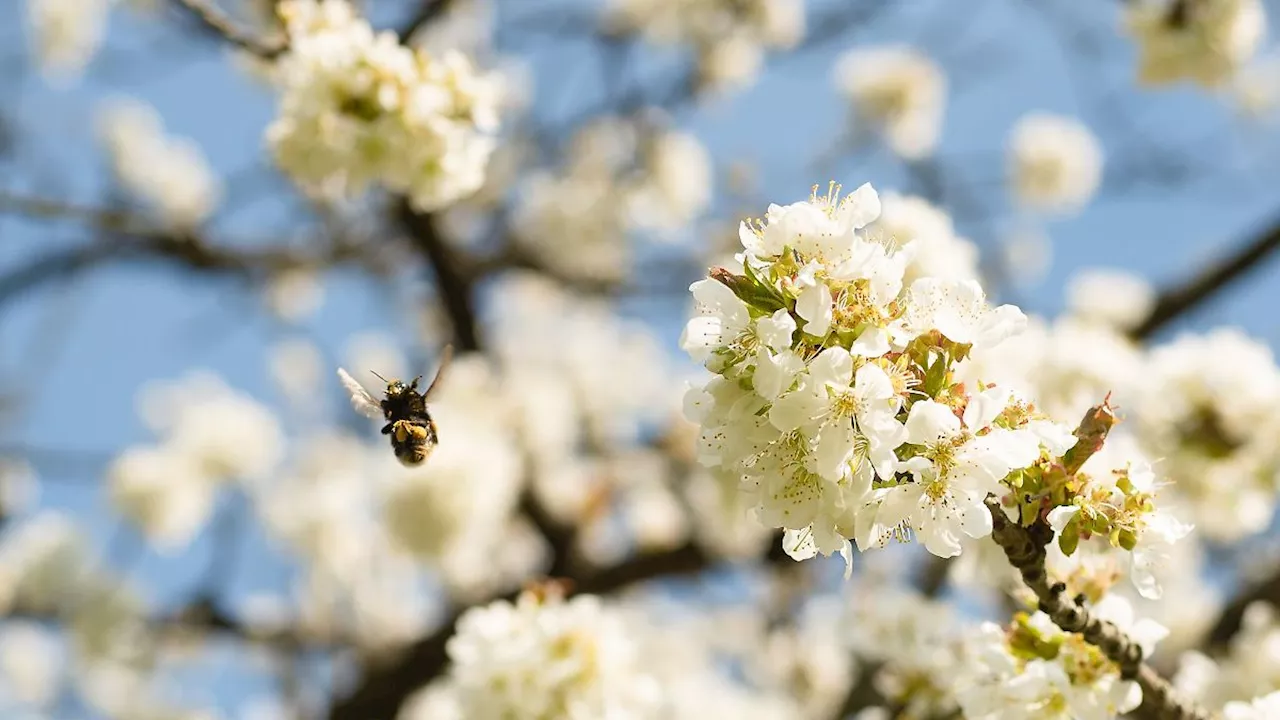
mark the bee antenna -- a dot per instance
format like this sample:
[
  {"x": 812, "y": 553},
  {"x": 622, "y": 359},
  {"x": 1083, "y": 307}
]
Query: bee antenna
[
  {"x": 446, "y": 355},
  {"x": 380, "y": 377}
]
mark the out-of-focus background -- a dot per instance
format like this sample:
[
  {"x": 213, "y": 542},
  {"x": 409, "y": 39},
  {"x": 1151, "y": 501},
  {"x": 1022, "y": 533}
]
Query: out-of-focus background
[{"x": 195, "y": 520}]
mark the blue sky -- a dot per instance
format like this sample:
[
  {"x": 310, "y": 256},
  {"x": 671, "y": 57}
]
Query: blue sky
[{"x": 79, "y": 353}]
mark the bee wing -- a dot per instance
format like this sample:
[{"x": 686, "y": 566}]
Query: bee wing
[
  {"x": 361, "y": 400},
  {"x": 445, "y": 356}
]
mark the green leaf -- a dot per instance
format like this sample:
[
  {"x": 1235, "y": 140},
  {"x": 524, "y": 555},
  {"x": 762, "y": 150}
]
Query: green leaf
[{"x": 1069, "y": 538}]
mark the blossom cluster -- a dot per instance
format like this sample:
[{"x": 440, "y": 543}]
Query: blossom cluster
[
  {"x": 358, "y": 108},
  {"x": 1034, "y": 669},
  {"x": 210, "y": 435},
  {"x": 898, "y": 92},
  {"x": 729, "y": 36},
  {"x": 1206, "y": 41},
  {"x": 170, "y": 174},
  {"x": 837, "y": 406},
  {"x": 618, "y": 178},
  {"x": 66, "y": 33}
]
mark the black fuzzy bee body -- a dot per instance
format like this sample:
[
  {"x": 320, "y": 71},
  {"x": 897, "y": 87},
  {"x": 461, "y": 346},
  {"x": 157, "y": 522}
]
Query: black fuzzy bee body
[{"x": 413, "y": 432}]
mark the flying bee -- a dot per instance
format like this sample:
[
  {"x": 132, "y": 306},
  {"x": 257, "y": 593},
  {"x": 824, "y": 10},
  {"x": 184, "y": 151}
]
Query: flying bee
[{"x": 412, "y": 431}]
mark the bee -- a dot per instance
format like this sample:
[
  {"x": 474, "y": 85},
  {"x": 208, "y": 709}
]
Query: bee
[{"x": 412, "y": 431}]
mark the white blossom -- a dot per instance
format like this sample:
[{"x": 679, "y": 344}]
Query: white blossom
[
  {"x": 359, "y": 109},
  {"x": 1055, "y": 162},
  {"x": 66, "y": 34},
  {"x": 169, "y": 174},
  {"x": 899, "y": 92},
  {"x": 1205, "y": 41}
]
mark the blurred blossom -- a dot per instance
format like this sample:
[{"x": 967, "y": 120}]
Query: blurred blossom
[
  {"x": 675, "y": 185},
  {"x": 375, "y": 352},
  {"x": 1208, "y": 407},
  {"x": 1055, "y": 162},
  {"x": 164, "y": 492},
  {"x": 939, "y": 252},
  {"x": 899, "y": 92},
  {"x": 617, "y": 179},
  {"x": 1250, "y": 667},
  {"x": 1261, "y": 708},
  {"x": 723, "y": 516},
  {"x": 1255, "y": 89},
  {"x": 209, "y": 434},
  {"x": 730, "y": 37},
  {"x": 169, "y": 174},
  {"x": 228, "y": 434},
  {"x": 294, "y": 295},
  {"x": 1027, "y": 254},
  {"x": 42, "y": 559},
  {"x": 297, "y": 367},
  {"x": 65, "y": 34},
  {"x": 1205, "y": 41},
  {"x": 1064, "y": 367},
  {"x": 549, "y": 658},
  {"x": 357, "y": 108},
  {"x": 31, "y": 662},
  {"x": 18, "y": 487},
  {"x": 1114, "y": 297}
]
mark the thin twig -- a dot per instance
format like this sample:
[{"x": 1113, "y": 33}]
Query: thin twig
[
  {"x": 1183, "y": 297},
  {"x": 1025, "y": 549},
  {"x": 213, "y": 19}
]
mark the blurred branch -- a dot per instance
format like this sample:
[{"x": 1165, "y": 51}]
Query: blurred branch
[
  {"x": 1183, "y": 297},
  {"x": 427, "y": 11},
  {"x": 454, "y": 278},
  {"x": 384, "y": 688},
  {"x": 215, "y": 21},
  {"x": 131, "y": 238},
  {"x": 1232, "y": 615}
]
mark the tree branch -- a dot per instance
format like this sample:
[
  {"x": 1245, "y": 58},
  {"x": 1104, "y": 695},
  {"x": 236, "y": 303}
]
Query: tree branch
[
  {"x": 454, "y": 280},
  {"x": 1184, "y": 297},
  {"x": 220, "y": 24},
  {"x": 1232, "y": 615},
  {"x": 383, "y": 689},
  {"x": 1025, "y": 549}
]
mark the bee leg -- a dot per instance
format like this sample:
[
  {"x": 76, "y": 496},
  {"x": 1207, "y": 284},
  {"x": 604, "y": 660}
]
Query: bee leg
[{"x": 386, "y": 429}]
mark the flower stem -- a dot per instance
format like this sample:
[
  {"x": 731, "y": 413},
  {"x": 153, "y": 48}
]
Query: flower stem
[{"x": 1025, "y": 549}]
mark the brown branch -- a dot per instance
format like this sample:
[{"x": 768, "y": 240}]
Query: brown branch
[
  {"x": 1232, "y": 615},
  {"x": 218, "y": 23},
  {"x": 384, "y": 688},
  {"x": 454, "y": 277},
  {"x": 1179, "y": 299},
  {"x": 428, "y": 10},
  {"x": 1025, "y": 549}
]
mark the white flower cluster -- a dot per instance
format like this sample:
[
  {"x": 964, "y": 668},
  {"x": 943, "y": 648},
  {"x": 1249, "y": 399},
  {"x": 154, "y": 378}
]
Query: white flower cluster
[
  {"x": 1206, "y": 41},
  {"x": 898, "y": 92},
  {"x": 1263, "y": 708},
  {"x": 169, "y": 174},
  {"x": 210, "y": 435},
  {"x": 915, "y": 647},
  {"x": 729, "y": 36},
  {"x": 1207, "y": 406},
  {"x": 1250, "y": 668},
  {"x": 938, "y": 252},
  {"x": 66, "y": 33},
  {"x": 1035, "y": 670},
  {"x": 617, "y": 179},
  {"x": 544, "y": 658},
  {"x": 837, "y": 402},
  {"x": 1055, "y": 163},
  {"x": 357, "y": 108}
]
